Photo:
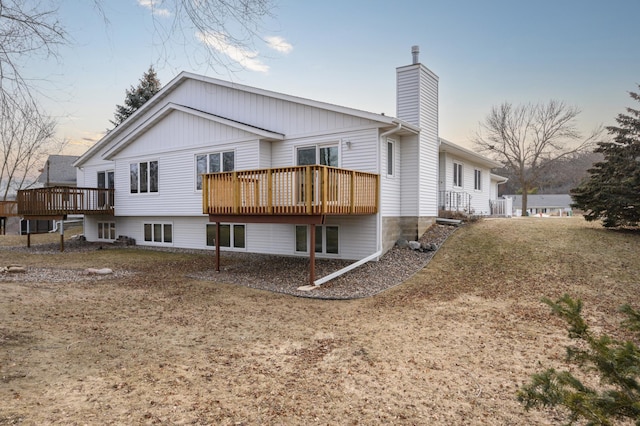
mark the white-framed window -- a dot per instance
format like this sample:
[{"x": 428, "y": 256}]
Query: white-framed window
[
  {"x": 161, "y": 233},
  {"x": 477, "y": 180},
  {"x": 391, "y": 151},
  {"x": 327, "y": 239},
  {"x": 106, "y": 180},
  {"x": 143, "y": 177},
  {"x": 215, "y": 162},
  {"x": 106, "y": 230},
  {"x": 457, "y": 174},
  {"x": 232, "y": 235},
  {"x": 323, "y": 154}
]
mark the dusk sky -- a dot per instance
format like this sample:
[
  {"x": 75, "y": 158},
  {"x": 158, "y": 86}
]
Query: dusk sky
[{"x": 585, "y": 53}]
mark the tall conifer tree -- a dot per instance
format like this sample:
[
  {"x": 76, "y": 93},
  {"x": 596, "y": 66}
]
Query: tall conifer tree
[
  {"x": 612, "y": 191},
  {"x": 135, "y": 97}
]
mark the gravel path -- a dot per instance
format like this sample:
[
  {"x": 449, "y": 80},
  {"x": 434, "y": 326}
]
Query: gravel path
[{"x": 271, "y": 273}]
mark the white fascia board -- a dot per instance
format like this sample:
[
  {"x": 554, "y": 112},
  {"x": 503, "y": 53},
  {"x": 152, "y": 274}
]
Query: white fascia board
[{"x": 450, "y": 147}]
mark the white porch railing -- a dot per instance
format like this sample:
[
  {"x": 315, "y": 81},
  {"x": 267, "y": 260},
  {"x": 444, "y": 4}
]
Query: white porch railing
[{"x": 502, "y": 207}]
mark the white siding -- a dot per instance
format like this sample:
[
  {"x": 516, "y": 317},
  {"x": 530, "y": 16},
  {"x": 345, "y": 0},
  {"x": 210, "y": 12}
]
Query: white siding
[
  {"x": 357, "y": 235},
  {"x": 479, "y": 198},
  {"x": 176, "y": 137},
  {"x": 417, "y": 103},
  {"x": 262, "y": 111},
  {"x": 410, "y": 170}
]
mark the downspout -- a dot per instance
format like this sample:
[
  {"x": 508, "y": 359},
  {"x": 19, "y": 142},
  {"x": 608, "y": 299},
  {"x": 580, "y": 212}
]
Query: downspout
[
  {"x": 378, "y": 253},
  {"x": 382, "y": 137}
]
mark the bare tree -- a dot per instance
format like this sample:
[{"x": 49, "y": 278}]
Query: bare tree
[
  {"x": 30, "y": 29},
  {"x": 27, "y": 30},
  {"x": 26, "y": 137},
  {"x": 529, "y": 138},
  {"x": 226, "y": 30}
]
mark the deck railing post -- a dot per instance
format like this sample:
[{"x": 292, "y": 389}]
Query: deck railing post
[
  {"x": 352, "y": 192},
  {"x": 270, "y": 191},
  {"x": 324, "y": 185},
  {"x": 236, "y": 193},
  {"x": 308, "y": 190}
]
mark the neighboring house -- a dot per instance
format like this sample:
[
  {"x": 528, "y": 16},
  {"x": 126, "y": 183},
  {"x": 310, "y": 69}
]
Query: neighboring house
[
  {"x": 208, "y": 162},
  {"x": 544, "y": 204},
  {"x": 466, "y": 182},
  {"x": 58, "y": 170}
]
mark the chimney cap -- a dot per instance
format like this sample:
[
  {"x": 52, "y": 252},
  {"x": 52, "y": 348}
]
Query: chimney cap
[{"x": 415, "y": 53}]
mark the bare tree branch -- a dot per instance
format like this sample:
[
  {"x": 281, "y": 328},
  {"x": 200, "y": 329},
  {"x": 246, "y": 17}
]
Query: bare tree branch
[{"x": 530, "y": 138}]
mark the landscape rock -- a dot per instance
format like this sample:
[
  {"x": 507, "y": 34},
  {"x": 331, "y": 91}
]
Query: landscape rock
[
  {"x": 402, "y": 243},
  {"x": 414, "y": 245},
  {"x": 103, "y": 271}
]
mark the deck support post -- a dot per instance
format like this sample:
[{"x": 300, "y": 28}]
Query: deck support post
[
  {"x": 217, "y": 246},
  {"x": 312, "y": 253},
  {"x": 61, "y": 235},
  {"x": 28, "y": 235}
]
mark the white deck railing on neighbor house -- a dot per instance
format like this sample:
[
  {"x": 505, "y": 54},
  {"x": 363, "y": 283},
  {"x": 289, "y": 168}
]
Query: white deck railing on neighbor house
[{"x": 502, "y": 207}]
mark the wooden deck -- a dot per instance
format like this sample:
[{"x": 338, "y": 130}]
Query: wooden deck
[
  {"x": 62, "y": 201},
  {"x": 8, "y": 208},
  {"x": 301, "y": 190}
]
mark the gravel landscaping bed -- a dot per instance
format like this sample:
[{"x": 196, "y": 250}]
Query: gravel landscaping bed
[
  {"x": 267, "y": 272},
  {"x": 286, "y": 274}
]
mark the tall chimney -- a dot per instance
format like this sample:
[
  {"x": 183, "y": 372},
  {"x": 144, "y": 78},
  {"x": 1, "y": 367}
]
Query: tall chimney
[{"x": 415, "y": 52}]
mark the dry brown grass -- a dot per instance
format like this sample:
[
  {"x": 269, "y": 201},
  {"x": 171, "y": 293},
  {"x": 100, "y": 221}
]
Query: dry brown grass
[{"x": 450, "y": 346}]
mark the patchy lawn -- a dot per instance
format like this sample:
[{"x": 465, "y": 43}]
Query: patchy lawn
[{"x": 450, "y": 346}]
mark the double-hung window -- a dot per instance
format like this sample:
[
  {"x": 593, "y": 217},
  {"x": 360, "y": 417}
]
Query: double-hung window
[
  {"x": 327, "y": 240},
  {"x": 213, "y": 163},
  {"x": 143, "y": 177},
  {"x": 477, "y": 180},
  {"x": 457, "y": 174}
]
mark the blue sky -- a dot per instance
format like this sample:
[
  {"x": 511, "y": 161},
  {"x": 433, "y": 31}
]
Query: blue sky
[{"x": 586, "y": 53}]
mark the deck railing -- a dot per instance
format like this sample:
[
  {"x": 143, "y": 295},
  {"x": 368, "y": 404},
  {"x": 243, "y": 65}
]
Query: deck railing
[
  {"x": 62, "y": 200},
  {"x": 8, "y": 208},
  {"x": 454, "y": 201},
  {"x": 312, "y": 190}
]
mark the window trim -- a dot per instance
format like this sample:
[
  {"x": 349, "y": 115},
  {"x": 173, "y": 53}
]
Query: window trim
[
  {"x": 323, "y": 239},
  {"x": 318, "y": 146},
  {"x": 391, "y": 145},
  {"x": 458, "y": 174},
  {"x": 477, "y": 180},
  {"x": 232, "y": 243},
  {"x": 163, "y": 226},
  {"x": 148, "y": 179},
  {"x": 207, "y": 155},
  {"x": 111, "y": 227}
]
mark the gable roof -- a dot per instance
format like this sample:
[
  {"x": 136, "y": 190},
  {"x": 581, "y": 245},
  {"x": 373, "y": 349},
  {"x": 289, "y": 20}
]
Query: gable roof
[
  {"x": 59, "y": 170},
  {"x": 169, "y": 108},
  {"x": 131, "y": 121},
  {"x": 446, "y": 146}
]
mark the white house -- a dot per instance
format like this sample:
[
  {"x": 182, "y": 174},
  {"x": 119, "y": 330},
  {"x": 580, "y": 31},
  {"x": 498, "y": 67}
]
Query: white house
[
  {"x": 465, "y": 180},
  {"x": 273, "y": 173}
]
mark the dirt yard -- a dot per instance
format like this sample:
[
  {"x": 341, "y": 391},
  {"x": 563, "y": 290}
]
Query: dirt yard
[{"x": 450, "y": 346}]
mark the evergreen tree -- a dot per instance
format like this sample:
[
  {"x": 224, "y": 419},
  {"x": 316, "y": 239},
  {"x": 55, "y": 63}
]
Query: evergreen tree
[
  {"x": 612, "y": 191},
  {"x": 615, "y": 363},
  {"x": 135, "y": 97}
]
